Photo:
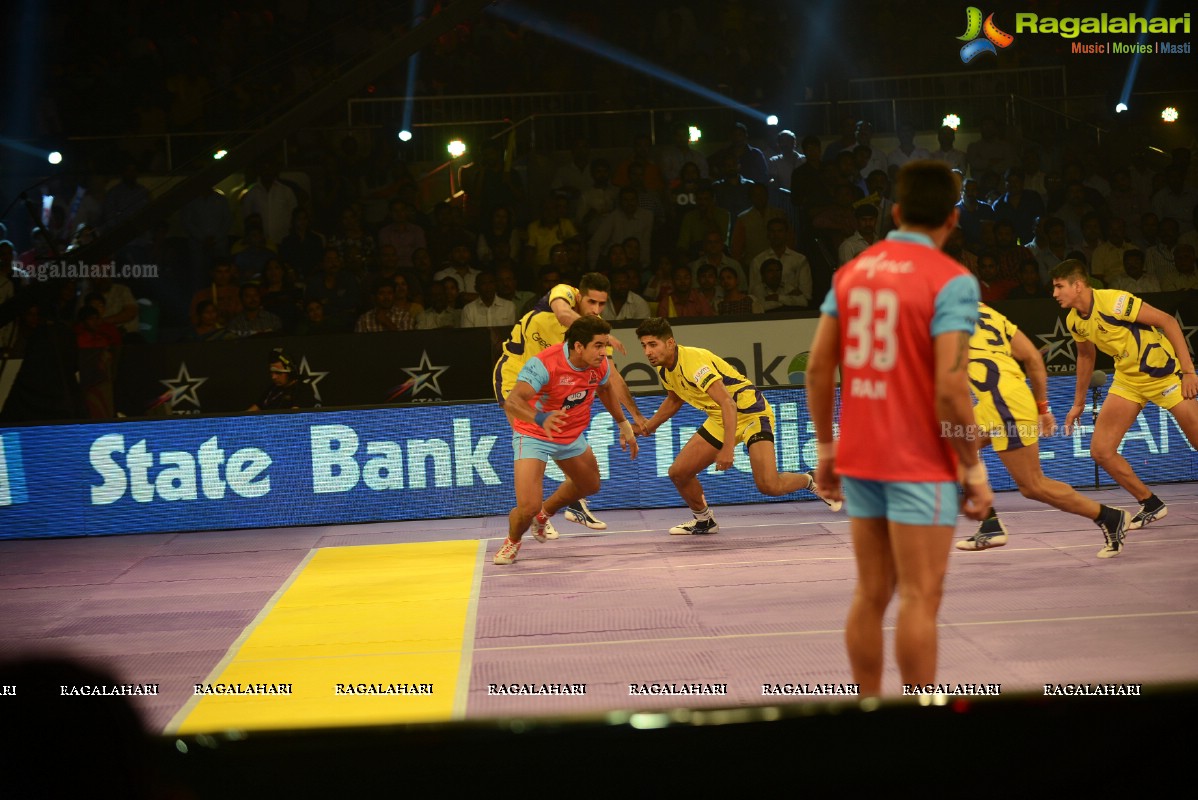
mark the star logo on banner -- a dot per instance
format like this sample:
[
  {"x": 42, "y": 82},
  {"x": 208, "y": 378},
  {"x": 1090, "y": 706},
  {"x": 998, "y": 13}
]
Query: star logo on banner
[
  {"x": 183, "y": 387},
  {"x": 1059, "y": 342},
  {"x": 1186, "y": 330},
  {"x": 312, "y": 377},
  {"x": 425, "y": 375}
]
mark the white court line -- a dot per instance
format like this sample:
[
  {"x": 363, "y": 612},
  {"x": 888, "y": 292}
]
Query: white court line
[
  {"x": 702, "y": 564},
  {"x": 467, "y": 663},
  {"x": 836, "y": 631}
]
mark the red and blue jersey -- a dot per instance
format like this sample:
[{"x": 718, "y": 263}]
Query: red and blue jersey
[
  {"x": 891, "y": 302},
  {"x": 559, "y": 385}
]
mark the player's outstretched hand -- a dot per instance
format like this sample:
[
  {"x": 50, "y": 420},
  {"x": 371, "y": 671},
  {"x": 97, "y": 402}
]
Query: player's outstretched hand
[
  {"x": 640, "y": 424},
  {"x": 1048, "y": 425},
  {"x": 1189, "y": 386},
  {"x": 1071, "y": 418},
  {"x": 628, "y": 439},
  {"x": 554, "y": 422},
  {"x": 827, "y": 481},
  {"x": 617, "y": 344},
  {"x": 978, "y": 499}
]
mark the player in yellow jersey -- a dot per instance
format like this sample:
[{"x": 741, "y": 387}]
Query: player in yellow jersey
[
  {"x": 1012, "y": 418},
  {"x": 545, "y": 326},
  {"x": 736, "y": 412},
  {"x": 1152, "y": 365}
]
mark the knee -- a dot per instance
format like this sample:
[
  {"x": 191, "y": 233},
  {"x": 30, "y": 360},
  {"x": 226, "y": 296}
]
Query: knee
[
  {"x": 875, "y": 597},
  {"x": 588, "y": 487},
  {"x": 1032, "y": 490},
  {"x": 527, "y": 509},
  {"x": 766, "y": 486},
  {"x": 678, "y": 475},
  {"x": 1102, "y": 453}
]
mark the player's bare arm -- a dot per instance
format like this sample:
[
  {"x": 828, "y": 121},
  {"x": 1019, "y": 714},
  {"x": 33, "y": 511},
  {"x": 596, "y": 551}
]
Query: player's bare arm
[
  {"x": 1037, "y": 375},
  {"x": 821, "y": 379},
  {"x": 1086, "y": 355},
  {"x": 718, "y": 393},
  {"x": 519, "y": 406},
  {"x": 623, "y": 396},
  {"x": 608, "y": 396},
  {"x": 954, "y": 407},
  {"x": 668, "y": 408},
  {"x": 1150, "y": 315}
]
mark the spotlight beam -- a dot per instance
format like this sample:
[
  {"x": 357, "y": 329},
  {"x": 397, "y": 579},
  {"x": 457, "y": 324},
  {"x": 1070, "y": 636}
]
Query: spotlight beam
[
  {"x": 1134, "y": 67},
  {"x": 514, "y": 12},
  {"x": 413, "y": 64}
]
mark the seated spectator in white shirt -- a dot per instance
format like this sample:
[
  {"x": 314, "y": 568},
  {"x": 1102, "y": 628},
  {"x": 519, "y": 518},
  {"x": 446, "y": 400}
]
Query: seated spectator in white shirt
[
  {"x": 460, "y": 269},
  {"x": 505, "y": 282},
  {"x": 623, "y": 303},
  {"x": 438, "y": 313},
  {"x": 777, "y": 296},
  {"x": 1134, "y": 279},
  {"x": 906, "y": 151},
  {"x": 1158, "y": 259},
  {"x": 489, "y": 310},
  {"x": 865, "y": 235},
  {"x": 794, "y": 264}
]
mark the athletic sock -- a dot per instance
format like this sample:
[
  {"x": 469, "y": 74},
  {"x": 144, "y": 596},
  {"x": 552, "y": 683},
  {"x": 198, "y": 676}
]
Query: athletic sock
[
  {"x": 992, "y": 514},
  {"x": 704, "y": 515},
  {"x": 1108, "y": 516},
  {"x": 1152, "y": 503}
]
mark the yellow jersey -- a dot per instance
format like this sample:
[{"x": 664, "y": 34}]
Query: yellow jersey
[
  {"x": 695, "y": 369},
  {"x": 1140, "y": 351},
  {"x": 537, "y": 330},
  {"x": 991, "y": 342}
]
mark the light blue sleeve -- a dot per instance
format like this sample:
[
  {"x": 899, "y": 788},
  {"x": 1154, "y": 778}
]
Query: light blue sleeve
[
  {"x": 957, "y": 306},
  {"x": 534, "y": 373},
  {"x": 829, "y": 304},
  {"x": 611, "y": 364}
]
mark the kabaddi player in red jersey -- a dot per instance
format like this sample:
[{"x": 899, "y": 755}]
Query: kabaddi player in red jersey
[
  {"x": 550, "y": 408},
  {"x": 897, "y": 323}
]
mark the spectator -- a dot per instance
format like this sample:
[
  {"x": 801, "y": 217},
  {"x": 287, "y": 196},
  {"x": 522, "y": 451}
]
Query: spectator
[
  {"x": 252, "y": 251},
  {"x": 384, "y": 316},
  {"x": 490, "y": 183},
  {"x": 708, "y": 279},
  {"x": 338, "y": 290},
  {"x": 653, "y": 181},
  {"x": 98, "y": 343},
  {"x": 731, "y": 189},
  {"x": 488, "y": 310},
  {"x": 356, "y": 247},
  {"x": 302, "y": 248},
  {"x": 1054, "y": 250},
  {"x": 1009, "y": 255},
  {"x": 865, "y": 235},
  {"x": 499, "y": 240},
  {"x": 629, "y": 220},
  {"x": 253, "y": 319},
  {"x": 993, "y": 287},
  {"x": 782, "y": 166},
  {"x": 460, "y": 270},
  {"x": 796, "y": 270},
  {"x": 749, "y": 231},
  {"x": 678, "y": 153},
  {"x": 574, "y": 176},
  {"x": 208, "y": 328},
  {"x": 597, "y": 200},
  {"x": 314, "y": 322},
  {"x": 1185, "y": 277},
  {"x": 1019, "y": 206},
  {"x": 273, "y": 202},
  {"x": 948, "y": 153},
  {"x": 120, "y": 306},
  {"x": 553, "y": 227},
  {"x": 906, "y": 151},
  {"x": 734, "y": 300},
  {"x": 777, "y": 296},
  {"x": 223, "y": 292},
  {"x": 990, "y": 152},
  {"x": 681, "y": 299},
  {"x": 506, "y": 287},
  {"x": 975, "y": 216},
  {"x": 403, "y": 298},
  {"x": 1158, "y": 260},
  {"x": 704, "y": 219},
  {"x": 438, "y": 314},
  {"x": 713, "y": 255},
  {"x": 748, "y": 160},
  {"x": 1030, "y": 287},
  {"x": 1176, "y": 201},
  {"x": 1134, "y": 279},
  {"x": 623, "y": 303},
  {"x": 402, "y": 234},
  {"x": 279, "y": 294}
]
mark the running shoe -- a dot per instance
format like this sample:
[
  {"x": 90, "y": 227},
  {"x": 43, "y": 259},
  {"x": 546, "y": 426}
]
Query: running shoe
[
  {"x": 833, "y": 505},
  {"x": 550, "y": 531},
  {"x": 539, "y": 523},
  {"x": 1114, "y": 538},
  {"x": 580, "y": 513},
  {"x": 991, "y": 533},
  {"x": 695, "y": 526},
  {"x": 507, "y": 553},
  {"x": 1147, "y": 516}
]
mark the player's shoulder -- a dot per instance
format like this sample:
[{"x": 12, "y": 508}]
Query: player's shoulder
[
  {"x": 564, "y": 291},
  {"x": 1117, "y": 302}
]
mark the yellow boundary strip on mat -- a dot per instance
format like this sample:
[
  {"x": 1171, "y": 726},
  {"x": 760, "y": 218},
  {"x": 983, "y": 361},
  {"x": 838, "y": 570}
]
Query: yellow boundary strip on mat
[{"x": 363, "y": 635}]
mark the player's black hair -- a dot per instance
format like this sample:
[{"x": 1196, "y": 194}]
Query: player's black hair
[
  {"x": 657, "y": 327},
  {"x": 1070, "y": 270},
  {"x": 594, "y": 281},
  {"x": 584, "y": 329},
  {"x": 927, "y": 192}
]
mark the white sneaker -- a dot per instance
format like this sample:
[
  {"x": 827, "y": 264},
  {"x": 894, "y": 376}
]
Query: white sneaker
[
  {"x": 539, "y": 523},
  {"x": 833, "y": 505},
  {"x": 695, "y": 526},
  {"x": 507, "y": 553},
  {"x": 580, "y": 513}
]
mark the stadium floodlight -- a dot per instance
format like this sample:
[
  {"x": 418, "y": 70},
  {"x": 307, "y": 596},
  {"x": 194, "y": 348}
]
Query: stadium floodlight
[
  {"x": 219, "y": 154},
  {"x": 951, "y": 121},
  {"x": 54, "y": 157},
  {"x": 405, "y": 136},
  {"x": 695, "y": 134},
  {"x": 771, "y": 120},
  {"x": 457, "y": 148},
  {"x": 1120, "y": 108},
  {"x": 1169, "y": 114}
]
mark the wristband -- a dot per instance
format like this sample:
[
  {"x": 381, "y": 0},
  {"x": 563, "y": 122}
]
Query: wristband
[
  {"x": 825, "y": 451},
  {"x": 976, "y": 474},
  {"x": 1043, "y": 407},
  {"x": 541, "y": 417}
]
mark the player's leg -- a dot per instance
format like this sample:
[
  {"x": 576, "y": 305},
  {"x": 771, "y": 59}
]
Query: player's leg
[
  {"x": 582, "y": 480},
  {"x": 1024, "y": 465},
  {"x": 921, "y": 518},
  {"x": 1185, "y": 412},
  {"x": 1116, "y": 417},
  {"x": 696, "y": 455},
  {"x": 920, "y": 562},
  {"x": 875, "y": 583},
  {"x": 528, "y": 473}
]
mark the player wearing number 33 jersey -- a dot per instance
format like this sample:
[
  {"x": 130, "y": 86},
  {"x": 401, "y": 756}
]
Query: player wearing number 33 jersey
[{"x": 890, "y": 303}]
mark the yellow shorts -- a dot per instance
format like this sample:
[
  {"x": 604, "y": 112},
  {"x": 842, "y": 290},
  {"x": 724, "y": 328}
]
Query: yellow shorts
[
  {"x": 751, "y": 428},
  {"x": 1008, "y": 413},
  {"x": 503, "y": 376},
  {"x": 1165, "y": 392}
]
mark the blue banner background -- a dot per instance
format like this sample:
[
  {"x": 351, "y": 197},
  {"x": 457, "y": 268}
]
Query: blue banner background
[{"x": 426, "y": 461}]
